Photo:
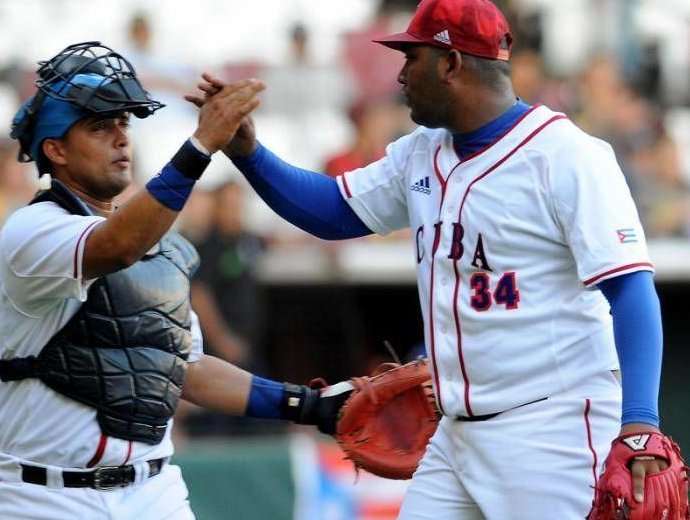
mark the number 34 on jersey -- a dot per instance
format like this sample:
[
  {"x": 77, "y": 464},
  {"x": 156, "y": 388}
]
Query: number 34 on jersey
[{"x": 484, "y": 293}]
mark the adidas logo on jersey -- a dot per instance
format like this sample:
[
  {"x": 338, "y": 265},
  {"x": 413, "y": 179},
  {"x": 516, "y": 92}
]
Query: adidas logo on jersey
[
  {"x": 442, "y": 37},
  {"x": 422, "y": 186}
]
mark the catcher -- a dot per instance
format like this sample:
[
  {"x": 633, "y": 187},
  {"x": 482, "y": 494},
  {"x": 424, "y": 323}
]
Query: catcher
[{"x": 98, "y": 338}]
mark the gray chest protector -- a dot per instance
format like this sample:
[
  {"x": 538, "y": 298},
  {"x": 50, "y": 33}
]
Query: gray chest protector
[{"x": 125, "y": 351}]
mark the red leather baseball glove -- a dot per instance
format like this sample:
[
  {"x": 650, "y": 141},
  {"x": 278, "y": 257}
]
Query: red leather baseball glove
[
  {"x": 665, "y": 493},
  {"x": 386, "y": 422}
]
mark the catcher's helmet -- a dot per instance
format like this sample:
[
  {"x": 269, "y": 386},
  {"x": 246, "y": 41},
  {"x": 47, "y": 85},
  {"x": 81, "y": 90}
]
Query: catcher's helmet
[{"x": 84, "y": 79}]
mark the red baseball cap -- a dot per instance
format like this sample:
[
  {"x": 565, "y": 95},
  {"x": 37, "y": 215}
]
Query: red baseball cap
[{"x": 475, "y": 27}]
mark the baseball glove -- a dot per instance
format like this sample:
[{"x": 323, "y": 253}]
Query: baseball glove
[
  {"x": 386, "y": 422},
  {"x": 665, "y": 493}
]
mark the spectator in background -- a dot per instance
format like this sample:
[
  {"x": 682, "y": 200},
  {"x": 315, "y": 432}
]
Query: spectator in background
[
  {"x": 228, "y": 299},
  {"x": 533, "y": 84},
  {"x": 302, "y": 85},
  {"x": 374, "y": 70},
  {"x": 650, "y": 159},
  {"x": 375, "y": 123},
  {"x": 17, "y": 184},
  {"x": 307, "y": 96},
  {"x": 226, "y": 292},
  {"x": 167, "y": 79},
  {"x": 600, "y": 86}
]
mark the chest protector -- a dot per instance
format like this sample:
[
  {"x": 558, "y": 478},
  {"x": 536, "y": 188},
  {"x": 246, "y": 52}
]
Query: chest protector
[{"x": 125, "y": 351}]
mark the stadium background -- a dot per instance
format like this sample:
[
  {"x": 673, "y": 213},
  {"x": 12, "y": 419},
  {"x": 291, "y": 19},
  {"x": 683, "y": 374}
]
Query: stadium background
[{"x": 620, "y": 68}]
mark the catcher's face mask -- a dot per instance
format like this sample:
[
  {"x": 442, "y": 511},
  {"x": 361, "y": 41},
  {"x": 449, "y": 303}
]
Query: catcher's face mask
[{"x": 84, "y": 79}]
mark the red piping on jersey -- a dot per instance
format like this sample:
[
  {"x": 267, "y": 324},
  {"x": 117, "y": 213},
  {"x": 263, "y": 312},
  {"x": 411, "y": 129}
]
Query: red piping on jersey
[
  {"x": 432, "y": 336},
  {"x": 102, "y": 442},
  {"x": 588, "y": 405},
  {"x": 76, "y": 249},
  {"x": 129, "y": 453},
  {"x": 617, "y": 270},
  {"x": 517, "y": 122},
  {"x": 456, "y": 316},
  {"x": 437, "y": 240},
  {"x": 440, "y": 178},
  {"x": 458, "y": 335},
  {"x": 347, "y": 188}
]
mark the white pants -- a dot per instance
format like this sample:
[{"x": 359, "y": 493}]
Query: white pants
[
  {"x": 536, "y": 462},
  {"x": 163, "y": 496}
]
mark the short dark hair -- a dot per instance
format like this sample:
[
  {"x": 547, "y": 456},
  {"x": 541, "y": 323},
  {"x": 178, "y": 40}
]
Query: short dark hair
[{"x": 494, "y": 73}]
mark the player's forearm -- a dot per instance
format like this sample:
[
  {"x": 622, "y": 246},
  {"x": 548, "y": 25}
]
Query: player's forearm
[
  {"x": 307, "y": 199},
  {"x": 217, "y": 385},
  {"x": 125, "y": 237},
  {"x": 220, "y": 386},
  {"x": 638, "y": 335}
]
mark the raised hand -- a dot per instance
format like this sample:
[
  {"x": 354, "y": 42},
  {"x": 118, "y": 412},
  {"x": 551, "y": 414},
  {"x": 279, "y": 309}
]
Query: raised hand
[
  {"x": 223, "y": 110},
  {"x": 209, "y": 85}
]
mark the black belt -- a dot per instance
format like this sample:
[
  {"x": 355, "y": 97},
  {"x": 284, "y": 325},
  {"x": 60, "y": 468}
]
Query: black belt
[
  {"x": 474, "y": 418},
  {"x": 102, "y": 478}
]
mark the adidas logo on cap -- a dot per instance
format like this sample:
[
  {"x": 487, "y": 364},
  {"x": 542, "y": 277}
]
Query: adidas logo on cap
[{"x": 443, "y": 37}]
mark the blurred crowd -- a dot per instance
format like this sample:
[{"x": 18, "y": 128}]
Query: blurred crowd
[{"x": 338, "y": 116}]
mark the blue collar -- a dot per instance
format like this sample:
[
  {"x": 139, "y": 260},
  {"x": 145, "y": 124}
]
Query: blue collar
[{"x": 471, "y": 142}]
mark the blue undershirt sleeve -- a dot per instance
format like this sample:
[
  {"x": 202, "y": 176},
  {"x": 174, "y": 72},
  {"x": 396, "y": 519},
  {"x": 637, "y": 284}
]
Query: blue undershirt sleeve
[
  {"x": 639, "y": 342},
  {"x": 307, "y": 199},
  {"x": 265, "y": 397}
]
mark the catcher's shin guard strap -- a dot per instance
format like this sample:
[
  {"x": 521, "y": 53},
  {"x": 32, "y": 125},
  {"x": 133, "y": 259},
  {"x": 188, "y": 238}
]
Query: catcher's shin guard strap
[{"x": 299, "y": 404}]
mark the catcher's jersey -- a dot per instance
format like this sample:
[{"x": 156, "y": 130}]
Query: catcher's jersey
[
  {"x": 41, "y": 288},
  {"x": 507, "y": 243}
]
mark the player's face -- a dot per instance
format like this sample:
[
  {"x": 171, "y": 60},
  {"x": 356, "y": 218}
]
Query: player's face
[
  {"x": 423, "y": 86},
  {"x": 96, "y": 157}
]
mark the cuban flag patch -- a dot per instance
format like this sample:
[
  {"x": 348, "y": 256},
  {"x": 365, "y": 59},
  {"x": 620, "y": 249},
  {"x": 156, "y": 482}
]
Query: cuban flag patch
[{"x": 626, "y": 235}]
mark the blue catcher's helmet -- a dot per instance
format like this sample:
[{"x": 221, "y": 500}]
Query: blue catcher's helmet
[{"x": 84, "y": 79}]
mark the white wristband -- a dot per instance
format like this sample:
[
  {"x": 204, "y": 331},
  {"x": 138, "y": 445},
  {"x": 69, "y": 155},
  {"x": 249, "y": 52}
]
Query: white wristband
[{"x": 197, "y": 144}]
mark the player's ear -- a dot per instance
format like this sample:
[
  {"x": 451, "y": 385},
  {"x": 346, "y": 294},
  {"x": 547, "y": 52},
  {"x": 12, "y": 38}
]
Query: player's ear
[
  {"x": 54, "y": 151},
  {"x": 454, "y": 64}
]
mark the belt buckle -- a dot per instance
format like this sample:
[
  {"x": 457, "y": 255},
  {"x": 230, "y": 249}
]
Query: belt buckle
[{"x": 108, "y": 477}]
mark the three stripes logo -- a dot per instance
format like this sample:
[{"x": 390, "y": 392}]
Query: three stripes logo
[
  {"x": 443, "y": 37},
  {"x": 422, "y": 186}
]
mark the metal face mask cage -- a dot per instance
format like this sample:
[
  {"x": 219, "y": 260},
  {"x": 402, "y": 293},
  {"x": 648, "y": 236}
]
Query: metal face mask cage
[{"x": 119, "y": 89}]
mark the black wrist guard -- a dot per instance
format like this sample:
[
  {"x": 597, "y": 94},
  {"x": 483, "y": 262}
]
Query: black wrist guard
[
  {"x": 189, "y": 161},
  {"x": 300, "y": 404}
]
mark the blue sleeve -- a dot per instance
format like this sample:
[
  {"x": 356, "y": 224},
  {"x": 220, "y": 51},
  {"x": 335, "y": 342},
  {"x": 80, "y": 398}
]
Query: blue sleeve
[
  {"x": 309, "y": 200},
  {"x": 639, "y": 342}
]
